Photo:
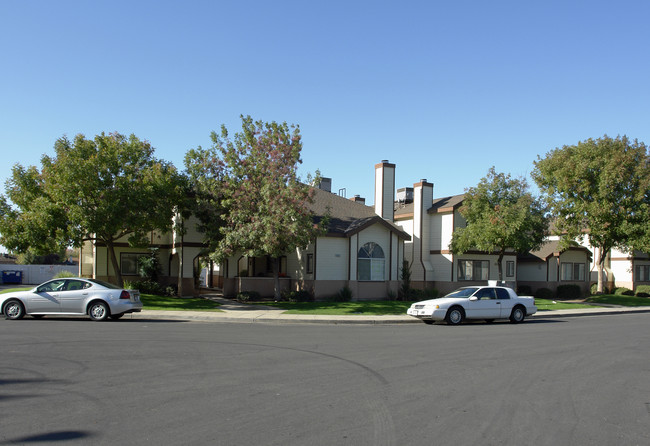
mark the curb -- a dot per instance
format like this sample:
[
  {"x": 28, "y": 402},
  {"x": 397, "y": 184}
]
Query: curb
[{"x": 349, "y": 320}]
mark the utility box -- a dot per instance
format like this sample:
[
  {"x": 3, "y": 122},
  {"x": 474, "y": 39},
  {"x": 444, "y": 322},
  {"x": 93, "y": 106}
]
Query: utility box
[{"x": 12, "y": 277}]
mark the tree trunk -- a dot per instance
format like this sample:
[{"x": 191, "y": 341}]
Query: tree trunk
[
  {"x": 276, "y": 279},
  {"x": 116, "y": 266},
  {"x": 601, "y": 266},
  {"x": 180, "y": 271},
  {"x": 500, "y": 266}
]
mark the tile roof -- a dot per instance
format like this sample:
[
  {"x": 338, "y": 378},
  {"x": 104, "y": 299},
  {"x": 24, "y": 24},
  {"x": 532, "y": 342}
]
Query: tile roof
[
  {"x": 443, "y": 204},
  {"x": 548, "y": 249},
  {"x": 346, "y": 216}
]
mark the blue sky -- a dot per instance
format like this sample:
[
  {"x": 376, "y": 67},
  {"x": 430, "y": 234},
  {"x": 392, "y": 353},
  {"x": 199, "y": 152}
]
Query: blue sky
[{"x": 443, "y": 89}]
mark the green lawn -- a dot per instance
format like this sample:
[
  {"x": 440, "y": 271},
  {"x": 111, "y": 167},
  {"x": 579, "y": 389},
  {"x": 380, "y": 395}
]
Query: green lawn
[
  {"x": 550, "y": 305},
  {"x": 370, "y": 308},
  {"x": 153, "y": 302},
  {"x": 624, "y": 301},
  {"x": 11, "y": 290}
]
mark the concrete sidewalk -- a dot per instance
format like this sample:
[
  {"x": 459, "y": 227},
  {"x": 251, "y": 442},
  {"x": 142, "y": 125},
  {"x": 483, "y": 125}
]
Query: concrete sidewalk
[{"x": 233, "y": 311}]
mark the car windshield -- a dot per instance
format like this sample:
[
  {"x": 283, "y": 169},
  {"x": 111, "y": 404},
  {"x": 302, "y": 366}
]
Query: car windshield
[
  {"x": 463, "y": 292},
  {"x": 110, "y": 286}
]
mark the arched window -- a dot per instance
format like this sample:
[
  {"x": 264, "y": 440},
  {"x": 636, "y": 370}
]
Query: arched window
[{"x": 370, "y": 262}]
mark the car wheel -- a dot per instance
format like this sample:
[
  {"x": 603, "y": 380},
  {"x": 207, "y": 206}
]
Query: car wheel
[
  {"x": 518, "y": 314},
  {"x": 116, "y": 316},
  {"x": 455, "y": 316},
  {"x": 98, "y": 311},
  {"x": 14, "y": 309}
]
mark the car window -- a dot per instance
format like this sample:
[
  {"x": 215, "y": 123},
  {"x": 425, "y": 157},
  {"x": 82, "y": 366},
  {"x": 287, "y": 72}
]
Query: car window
[
  {"x": 486, "y": 293},
  {"x": 502, "y": 293},
  {"x": 53, "y": 285},
  {"x": 462, "y": 292},
  {"x": 74, "y": 285}
]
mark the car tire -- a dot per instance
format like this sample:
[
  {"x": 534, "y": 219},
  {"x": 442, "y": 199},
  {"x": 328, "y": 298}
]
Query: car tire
[
  {"x": 116, "y": 316},
  {"x": 14, "y": 309},
  {"x": 518, "y": 314},
  {"x": 455, "y": 316},
  {"x": 98, "y": 311}
]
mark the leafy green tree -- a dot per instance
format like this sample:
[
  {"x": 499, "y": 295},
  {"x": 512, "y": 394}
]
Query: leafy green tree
[
  {"x": 601, "y": 188},
  {"x": 249, "y": 186},
  {"x": 100, "y": 189},
  {"x": 501, "y": 215}
]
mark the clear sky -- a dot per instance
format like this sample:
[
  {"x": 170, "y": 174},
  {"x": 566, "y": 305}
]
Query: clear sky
[{"x": 443, "y": 89}]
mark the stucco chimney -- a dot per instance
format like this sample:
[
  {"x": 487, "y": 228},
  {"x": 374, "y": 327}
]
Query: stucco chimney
[
  {"x": 385, "y": 190},
  {"x": 422, "y": 202}
]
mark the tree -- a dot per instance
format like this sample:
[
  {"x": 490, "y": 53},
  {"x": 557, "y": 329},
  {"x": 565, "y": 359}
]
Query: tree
[
  {"x": 249, "y": 186},
  {"x": 100, "y": 190},
  {"x": 601, "y": 188},
  {"x": 501, "y": 215}
]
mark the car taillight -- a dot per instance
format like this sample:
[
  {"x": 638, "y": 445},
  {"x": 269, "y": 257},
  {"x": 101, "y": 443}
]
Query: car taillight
[{"x": 125, "y": 295}]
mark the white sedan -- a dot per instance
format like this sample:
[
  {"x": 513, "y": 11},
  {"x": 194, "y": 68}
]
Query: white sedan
[
  {"x": 71, "y": 297},
  {"x": 475, "y": 302}
]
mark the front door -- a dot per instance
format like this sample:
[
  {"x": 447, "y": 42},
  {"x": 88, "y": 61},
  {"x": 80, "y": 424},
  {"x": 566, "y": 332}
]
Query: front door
[
  {"x": 46, "y": 298},
  {"x": 486, "y": 306}
]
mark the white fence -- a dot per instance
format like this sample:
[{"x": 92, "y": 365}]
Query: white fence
[{"x": 35, "y": 274}]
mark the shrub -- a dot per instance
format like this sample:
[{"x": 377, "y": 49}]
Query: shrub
[
  {"x": 643, "y": 291},
  {"x": 245, "y": 296},
  {"x": 63, "y": 274},
  {"x": 298, "y": 296},
  {"x": 594, "y": 287},
  {"x": 622, "y": 291},
  {"x": 150, "y": 287},
  {"x": 524, "y": 290},
  {"x": 149, "y": 266},
  {"x": 568, "y": 292},
  {"x": 344, "y": 295},
  {"x": 544, "y": 293}
]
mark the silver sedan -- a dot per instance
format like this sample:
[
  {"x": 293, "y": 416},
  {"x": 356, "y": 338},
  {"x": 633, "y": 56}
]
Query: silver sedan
[{"x": 71, "y": 297}]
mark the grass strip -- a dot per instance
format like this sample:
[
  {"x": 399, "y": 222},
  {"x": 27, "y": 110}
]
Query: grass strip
[{"x": 154, "y": 302}]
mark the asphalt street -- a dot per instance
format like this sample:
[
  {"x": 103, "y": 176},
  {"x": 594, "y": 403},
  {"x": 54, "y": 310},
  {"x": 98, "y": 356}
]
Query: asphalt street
[{"x": 578, "y": 381}]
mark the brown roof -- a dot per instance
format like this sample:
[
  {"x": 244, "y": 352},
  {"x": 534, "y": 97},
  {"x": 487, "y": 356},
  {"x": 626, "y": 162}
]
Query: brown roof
[
  {"x": 443, "y": 204},
  {"x": 348, "y": 217},
  {"x": 446, "y": 204},
  {"x": 549, "y": 249}
]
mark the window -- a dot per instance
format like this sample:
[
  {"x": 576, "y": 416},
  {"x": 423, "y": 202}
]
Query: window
[
  {"x": 310, "y": 263},
  {"x": 473, "y": 269},
  {"x": 510, "y": 268},
  {"x": 370, "y": 262},
  {"x": 572, "y": 271},
  {"x": 129, "y": 262},
  {"x": 642, "y": 273},
  {"x": 486, "y": 293}
]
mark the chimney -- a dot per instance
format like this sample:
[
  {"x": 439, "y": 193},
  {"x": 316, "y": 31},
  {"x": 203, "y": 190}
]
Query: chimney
[
  {"x": 422, "y": 202},
  {"x": 405, "y": 195},
  {"x": 358, "y": 199},
  {"x": 385, "y": 190},
  {"x": 325, "y": 184}
]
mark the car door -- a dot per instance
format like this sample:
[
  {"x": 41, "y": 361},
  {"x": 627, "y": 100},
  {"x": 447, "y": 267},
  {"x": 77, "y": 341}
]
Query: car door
[
  {"x": 486, "y": 305},
  {"x": 505, "y": 302},
  {"x": 73, "y": 296},
  {"x": 46, "y": 298}
]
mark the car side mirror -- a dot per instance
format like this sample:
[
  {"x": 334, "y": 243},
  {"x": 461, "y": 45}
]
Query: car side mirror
[{"x": 473, "y": 298}]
